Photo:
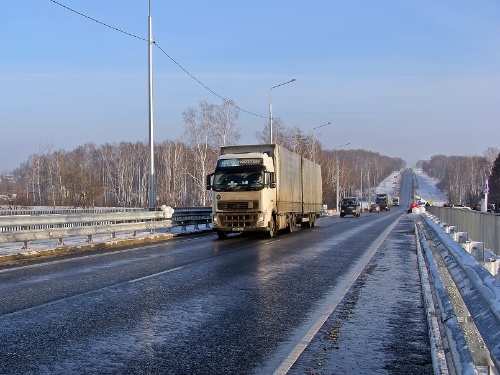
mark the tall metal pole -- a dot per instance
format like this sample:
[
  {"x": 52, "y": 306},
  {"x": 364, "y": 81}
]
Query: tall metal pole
[
  {"x": 152, "y": 194},
  {"x": 368, "y": 189},
  {"x": 337, "y": 173},
  {"x": 271, "y": 109},
  {"x": 337, "y": 184},
  {"x": 361, "y": 189},
  {"x": 313, "y": 143},
  {"x": 270, "y": 117}
]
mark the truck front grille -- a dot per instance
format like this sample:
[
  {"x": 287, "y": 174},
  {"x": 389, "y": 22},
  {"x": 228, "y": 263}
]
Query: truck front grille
[
  {"x": 239, "y": 221},
  {"x": 246, "y": 205}
]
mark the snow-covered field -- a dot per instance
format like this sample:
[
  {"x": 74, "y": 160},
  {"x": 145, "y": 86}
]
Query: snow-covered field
[{"x": 426, "y": 189}]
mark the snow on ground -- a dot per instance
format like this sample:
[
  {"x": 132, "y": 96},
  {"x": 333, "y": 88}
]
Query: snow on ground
[
  {"x": 426, "y": 189},
  {"x": 390, "y": 185},
  {"x": 41, "y": 245}
]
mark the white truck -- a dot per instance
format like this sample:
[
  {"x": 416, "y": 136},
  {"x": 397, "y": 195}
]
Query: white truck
[
  {"x": 395, "y": 201},
  {"x": 384, "y": 201},
  {"x": 263, "y": 188}
]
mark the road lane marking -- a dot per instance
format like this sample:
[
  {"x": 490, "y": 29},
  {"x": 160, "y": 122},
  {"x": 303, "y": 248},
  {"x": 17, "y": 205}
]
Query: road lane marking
[
  {"x": 156, "y": 274},
  {"x": 320, "y": 316}
]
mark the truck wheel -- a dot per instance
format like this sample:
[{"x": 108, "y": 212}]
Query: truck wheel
[
  {"x": 272, "y": 229},
  {"x": 291, "y": 224},
  {"x": 221, "y": 235}
]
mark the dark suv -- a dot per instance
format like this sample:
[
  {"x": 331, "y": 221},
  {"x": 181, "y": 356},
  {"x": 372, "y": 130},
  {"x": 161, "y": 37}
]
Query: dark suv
[{"x": 350, "y": 206}]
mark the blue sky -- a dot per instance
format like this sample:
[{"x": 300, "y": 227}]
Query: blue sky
[{"x": 409, "y": 79}]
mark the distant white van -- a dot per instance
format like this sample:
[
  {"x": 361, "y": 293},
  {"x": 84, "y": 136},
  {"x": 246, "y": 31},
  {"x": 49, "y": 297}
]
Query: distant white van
[{"x": 395, "y": 201}]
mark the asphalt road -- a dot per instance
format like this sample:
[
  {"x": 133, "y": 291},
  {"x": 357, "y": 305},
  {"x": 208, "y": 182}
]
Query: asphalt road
[{"x": 198, "y": 305}]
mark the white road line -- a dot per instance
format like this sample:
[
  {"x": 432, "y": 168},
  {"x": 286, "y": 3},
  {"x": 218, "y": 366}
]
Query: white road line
[
  {"x": 156, "y": 274},
  {"x": 327, "y": 307}
]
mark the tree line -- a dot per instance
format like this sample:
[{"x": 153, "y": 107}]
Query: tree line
[
  {"x": 118, "y": 174},
  {"x": 463, "y": 178}
]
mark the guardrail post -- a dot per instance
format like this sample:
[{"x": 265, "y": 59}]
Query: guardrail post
[
  {"x": 461, "y": 237},
  {"x": 477, "y": 249}
]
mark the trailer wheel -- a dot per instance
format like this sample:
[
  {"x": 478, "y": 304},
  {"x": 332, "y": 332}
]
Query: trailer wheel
[{"x": 291, "y": 224}]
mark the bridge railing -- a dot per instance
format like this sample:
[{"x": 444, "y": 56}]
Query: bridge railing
[
  {"x": 32, "y": 227},
  {"x": 481, "y": 226},
  {"x": 479, "y": 289}
]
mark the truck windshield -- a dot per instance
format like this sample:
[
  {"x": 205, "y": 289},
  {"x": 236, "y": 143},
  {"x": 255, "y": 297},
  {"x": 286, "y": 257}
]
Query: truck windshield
[{"x": 232, "y": 181}]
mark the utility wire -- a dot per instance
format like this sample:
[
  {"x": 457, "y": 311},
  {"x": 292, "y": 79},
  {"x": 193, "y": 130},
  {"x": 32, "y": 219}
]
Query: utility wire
[
  {"x": 205, "y": 86},
  {"x": 162, "y": 50},
  {"x": 99, "y": 22}
]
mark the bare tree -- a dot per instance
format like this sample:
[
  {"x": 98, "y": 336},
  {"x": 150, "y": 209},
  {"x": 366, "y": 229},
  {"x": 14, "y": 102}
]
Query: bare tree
[
  {"x": 224, "y": 130},
  {"x": 199, "y": 128}
]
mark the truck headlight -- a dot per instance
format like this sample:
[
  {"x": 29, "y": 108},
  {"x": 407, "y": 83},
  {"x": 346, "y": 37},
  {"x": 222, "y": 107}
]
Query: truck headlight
[
  {"x": 215, "y": 220},
  {"x": 261, "y": 219}
]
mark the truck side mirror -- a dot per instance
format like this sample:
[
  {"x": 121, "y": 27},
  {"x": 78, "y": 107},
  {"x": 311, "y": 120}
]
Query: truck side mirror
[
  {"x": 272, "y": 179},
  {"x": 209, "y": 181}
]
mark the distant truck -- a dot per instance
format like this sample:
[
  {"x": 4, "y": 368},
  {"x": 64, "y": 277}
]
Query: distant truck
[
  {"x": 384, "y": 201},
  {"x": 263, "y": 188},
  {"x": 395, "y": 201}
]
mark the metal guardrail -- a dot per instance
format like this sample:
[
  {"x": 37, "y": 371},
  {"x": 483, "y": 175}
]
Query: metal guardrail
[
  {"x": 64, "y": 210},
  {"x": 26, "y": 228},
  {"x": 481, "y": 226},
  {"x": 481, "y": 296}
]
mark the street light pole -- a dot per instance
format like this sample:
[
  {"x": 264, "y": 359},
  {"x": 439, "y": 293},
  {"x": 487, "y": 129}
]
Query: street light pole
[
  {"x": 313, "y": 143},
  {"x": 337, "y": 173},
  {"x": 271, "y": 109},
  {"x": 152, "y": 193}
]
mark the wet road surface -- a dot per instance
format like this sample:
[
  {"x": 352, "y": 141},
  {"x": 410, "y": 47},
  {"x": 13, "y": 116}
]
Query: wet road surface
[{"x": 198, "y": 305}]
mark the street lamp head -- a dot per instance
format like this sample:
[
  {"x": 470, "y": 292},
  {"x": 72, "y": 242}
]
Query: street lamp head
[{"x": 271, "y": 109}]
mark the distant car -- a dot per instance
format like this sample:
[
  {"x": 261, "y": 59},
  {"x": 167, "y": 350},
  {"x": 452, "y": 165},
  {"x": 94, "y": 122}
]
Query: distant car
[{"x": 374, "y": 207}]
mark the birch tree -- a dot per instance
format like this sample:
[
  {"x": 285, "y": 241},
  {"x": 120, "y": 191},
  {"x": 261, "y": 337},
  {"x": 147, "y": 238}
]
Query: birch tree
[{"x": 199, "y": 128}]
